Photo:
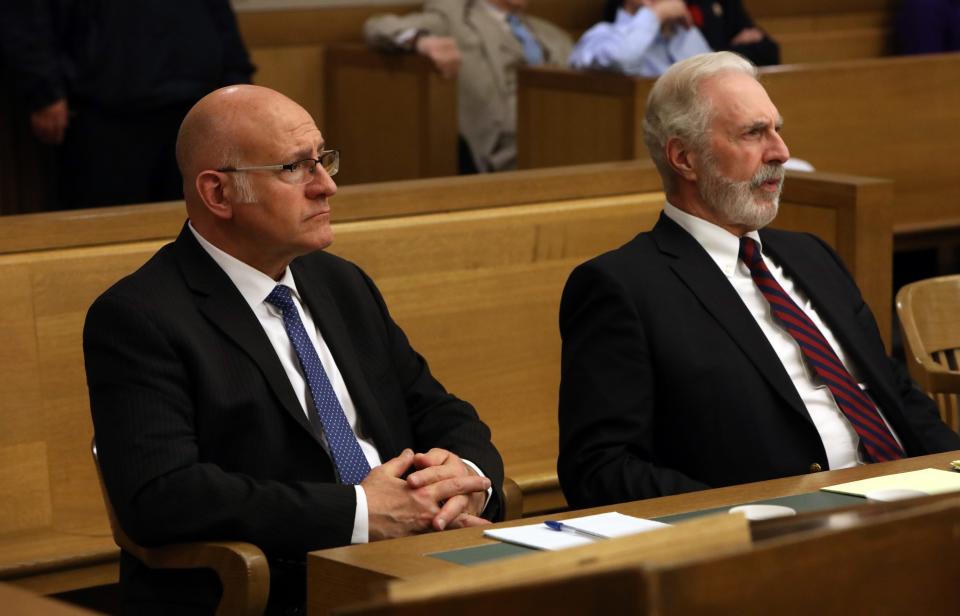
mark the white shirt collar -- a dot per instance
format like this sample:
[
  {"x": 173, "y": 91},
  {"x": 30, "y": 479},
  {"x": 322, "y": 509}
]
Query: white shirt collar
[
  {"x": 722, "y": 246},
  {"x": 253, "y": 284}
]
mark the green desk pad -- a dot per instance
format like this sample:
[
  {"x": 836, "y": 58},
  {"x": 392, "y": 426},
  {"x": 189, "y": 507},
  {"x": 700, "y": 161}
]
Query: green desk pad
[{"x": 802, "y": 503}]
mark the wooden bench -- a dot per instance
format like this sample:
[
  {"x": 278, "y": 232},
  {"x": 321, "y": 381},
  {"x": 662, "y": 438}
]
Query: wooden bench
[
  {"x": 825, "y": 31},
  {"x": 896, "y": 118},
  {"x": 391, "y": 115},
  {"x": 397, "y": 117},
  {"x": 476, "y": 289}
]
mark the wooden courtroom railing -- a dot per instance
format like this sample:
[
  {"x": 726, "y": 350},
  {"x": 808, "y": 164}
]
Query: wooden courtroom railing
[
  {"x": 894, "y": 117},
  {"x": 850, "y": 563},
  {"x": 472, "y": 269},
  {"x": 853, "y": 558},
  {"x": 418, "y": 568}
]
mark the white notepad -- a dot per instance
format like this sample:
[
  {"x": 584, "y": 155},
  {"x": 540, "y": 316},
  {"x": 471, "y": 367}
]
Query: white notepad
[{"x": 540, "y": 537}]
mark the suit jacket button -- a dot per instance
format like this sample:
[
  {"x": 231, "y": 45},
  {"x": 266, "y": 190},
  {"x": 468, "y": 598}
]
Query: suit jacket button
[{"x": 815, "y": 467}]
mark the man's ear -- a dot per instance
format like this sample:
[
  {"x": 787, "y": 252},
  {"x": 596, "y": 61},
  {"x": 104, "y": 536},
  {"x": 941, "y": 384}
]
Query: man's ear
[
  {"x": 682, "y": 158},
  {"x": 212, "y": 188}
]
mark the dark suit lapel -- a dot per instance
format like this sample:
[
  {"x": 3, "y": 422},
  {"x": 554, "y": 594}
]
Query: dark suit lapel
[
  {"x": 326, "y": 315},
  {"x": 220, "y": 301},
  {"x": 807, "y": 270},
  {"x": 700, "y": 273}
]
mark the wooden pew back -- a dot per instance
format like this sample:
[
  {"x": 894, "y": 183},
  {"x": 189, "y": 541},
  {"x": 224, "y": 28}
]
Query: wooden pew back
[
  {"x": 894, "y": 117},
  {"x": 477, "y": 290}
]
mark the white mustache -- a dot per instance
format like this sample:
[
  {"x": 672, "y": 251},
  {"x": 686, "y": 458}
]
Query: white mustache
[{"x": 767, "y": 173}]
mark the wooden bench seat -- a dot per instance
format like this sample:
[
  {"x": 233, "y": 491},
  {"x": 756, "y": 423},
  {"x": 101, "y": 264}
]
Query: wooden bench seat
[{"x": 471, "y": 268}]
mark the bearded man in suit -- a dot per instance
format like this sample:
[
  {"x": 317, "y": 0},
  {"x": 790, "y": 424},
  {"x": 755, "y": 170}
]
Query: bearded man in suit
[
  {"x": 710, "y": 350},
  {"x": 246, "y": 385},
  {"x": 481, "y": 43}
]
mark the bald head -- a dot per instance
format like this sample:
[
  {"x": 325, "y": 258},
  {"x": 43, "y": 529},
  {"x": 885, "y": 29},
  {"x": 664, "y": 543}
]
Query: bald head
[{"x": 226, "y": 127}]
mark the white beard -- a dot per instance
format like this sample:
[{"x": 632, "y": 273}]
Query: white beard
[{"x": 742, "y": 203}]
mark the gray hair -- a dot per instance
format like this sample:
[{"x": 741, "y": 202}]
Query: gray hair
[
  {"x": 230, "y": 156},
  {"x": 245, "y": 191},
  {"x": 676, "y": 109}
]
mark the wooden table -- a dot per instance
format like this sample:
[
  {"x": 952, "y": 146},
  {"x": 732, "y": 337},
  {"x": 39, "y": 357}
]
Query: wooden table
[{"x": 340, "y": 576}]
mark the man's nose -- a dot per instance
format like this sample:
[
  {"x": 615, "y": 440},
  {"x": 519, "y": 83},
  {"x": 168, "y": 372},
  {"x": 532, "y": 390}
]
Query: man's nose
[
  {"x": 321, "y": 182},
  {"x": 777, "y": 151}
]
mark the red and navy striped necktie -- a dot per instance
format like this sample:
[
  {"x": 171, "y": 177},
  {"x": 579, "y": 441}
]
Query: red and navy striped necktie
[{"x": 874, "y": 434}]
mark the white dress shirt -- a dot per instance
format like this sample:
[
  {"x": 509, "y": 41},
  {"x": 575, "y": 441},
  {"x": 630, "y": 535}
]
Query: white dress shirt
[
  {"x": 634, "y": 45},
  {"x": 840, "y": 440},
  {"x": 255, "y": 286}
]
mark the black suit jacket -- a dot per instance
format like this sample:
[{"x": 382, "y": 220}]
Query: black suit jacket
[
  {"x": 200, "y": 434},
  {"x": 668, "y": 384}
]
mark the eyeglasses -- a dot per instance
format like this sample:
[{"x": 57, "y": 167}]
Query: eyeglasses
[{"x": 299, "y": 172}]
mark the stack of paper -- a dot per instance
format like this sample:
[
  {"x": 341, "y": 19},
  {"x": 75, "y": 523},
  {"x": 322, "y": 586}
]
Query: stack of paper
[
  {"x": 928, "y": 480},
  {"x": 603, "y": 525}
]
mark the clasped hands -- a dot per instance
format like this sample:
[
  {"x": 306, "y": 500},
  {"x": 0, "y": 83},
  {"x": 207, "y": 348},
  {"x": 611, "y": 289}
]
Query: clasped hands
[{"x": 441, "y": 492}]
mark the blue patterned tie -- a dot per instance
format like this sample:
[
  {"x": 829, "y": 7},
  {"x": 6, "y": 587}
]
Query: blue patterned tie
[
  {"x": 351, "y": 464},
  {"x": 532, "y": 52}
]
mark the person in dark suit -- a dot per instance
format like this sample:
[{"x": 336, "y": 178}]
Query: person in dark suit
[
  {"x": 708, "y": 352},
  {"x": 109, "y": 82},
  {"x": 246, "y": 385},
  {"x": 725, "y": 24}
]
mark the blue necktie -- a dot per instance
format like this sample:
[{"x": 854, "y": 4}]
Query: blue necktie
[
  {"x": 351, "y": 464},
  {"x": 532, "y": 52}
]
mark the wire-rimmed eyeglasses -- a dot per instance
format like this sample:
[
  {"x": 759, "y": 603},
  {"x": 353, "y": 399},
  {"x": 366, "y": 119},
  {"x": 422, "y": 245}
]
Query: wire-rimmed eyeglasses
[{"x": 298, "y": 172}]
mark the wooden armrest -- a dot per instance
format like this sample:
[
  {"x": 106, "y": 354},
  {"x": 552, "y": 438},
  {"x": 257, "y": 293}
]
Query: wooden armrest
[
  {"x": 513, "y": 500},
  {"x": 241, "y": 567},
  {"x": 939, "y": 378}
]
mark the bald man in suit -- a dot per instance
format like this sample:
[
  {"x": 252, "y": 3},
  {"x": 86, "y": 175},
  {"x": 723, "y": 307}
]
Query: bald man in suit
[{"x": 247, "y": 385}]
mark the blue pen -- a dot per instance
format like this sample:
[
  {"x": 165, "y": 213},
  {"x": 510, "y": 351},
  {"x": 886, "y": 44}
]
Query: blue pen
[{"x": 561, "y": 527}]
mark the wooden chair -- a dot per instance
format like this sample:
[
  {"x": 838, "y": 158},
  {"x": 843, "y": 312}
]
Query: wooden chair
[
  {"x": 931, "y": 340},
  {"x": 241, "y": 567}
]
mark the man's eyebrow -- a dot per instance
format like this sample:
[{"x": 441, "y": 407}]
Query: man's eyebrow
[
  {"x": 306, "y": 152},
  {"x": 763, "y": 124}
]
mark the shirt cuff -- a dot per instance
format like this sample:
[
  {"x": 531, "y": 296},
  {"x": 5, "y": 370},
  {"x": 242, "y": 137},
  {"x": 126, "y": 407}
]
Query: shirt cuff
[
  {"x": 480, "y": 472},
  {"x": 361, "y": 519},
  {"x": 407, "y": 39}
]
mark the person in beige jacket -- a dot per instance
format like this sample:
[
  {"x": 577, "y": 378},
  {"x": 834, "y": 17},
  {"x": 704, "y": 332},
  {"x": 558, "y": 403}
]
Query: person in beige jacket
[{"x": 480, "y": 43}]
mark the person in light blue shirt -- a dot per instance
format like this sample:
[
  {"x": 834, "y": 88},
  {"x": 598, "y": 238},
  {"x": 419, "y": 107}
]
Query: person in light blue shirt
[{"x": 645, "y": 39}]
